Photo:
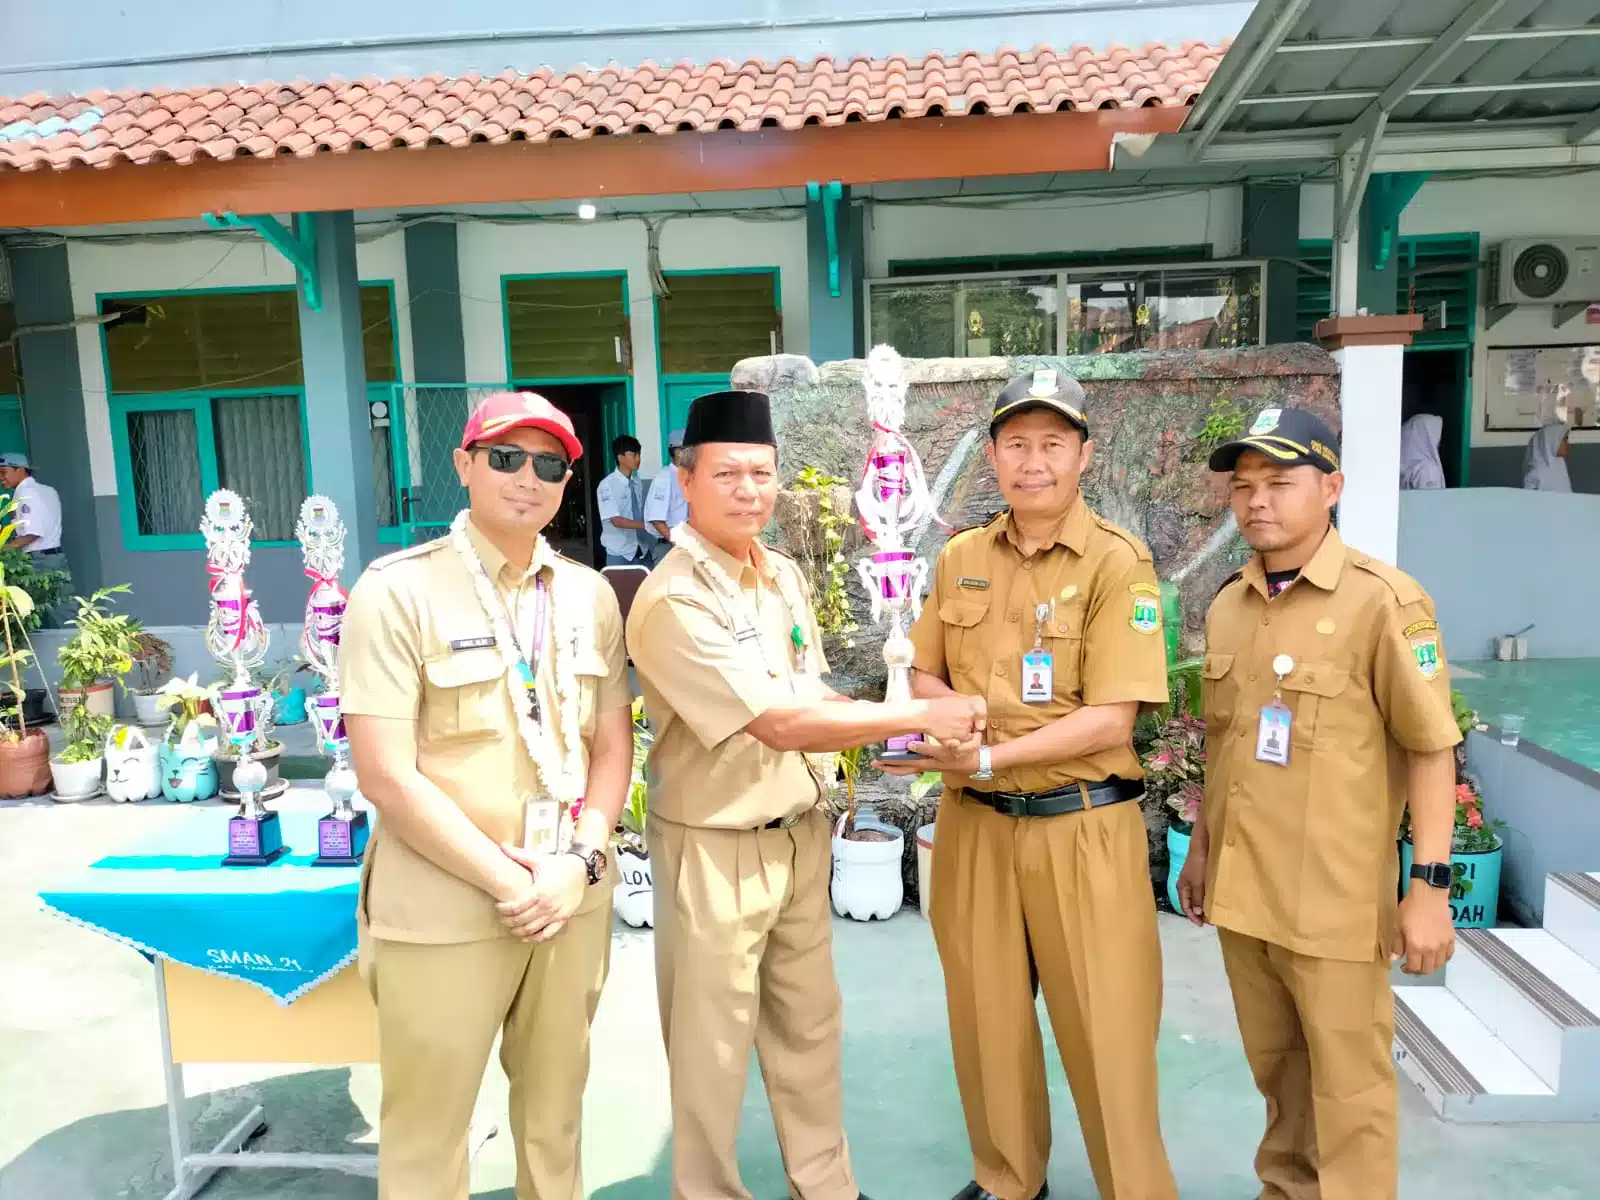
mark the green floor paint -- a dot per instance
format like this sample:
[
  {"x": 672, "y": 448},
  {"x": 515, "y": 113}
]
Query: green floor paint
[{"x": 83, "y": 1116}]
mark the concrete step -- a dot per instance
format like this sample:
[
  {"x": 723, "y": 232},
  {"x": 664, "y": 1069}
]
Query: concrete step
[
  {"x": 1466, "y": 1073},
  {"x": 1572, "y": 912},
  {"x": 1535, "y": 994}
]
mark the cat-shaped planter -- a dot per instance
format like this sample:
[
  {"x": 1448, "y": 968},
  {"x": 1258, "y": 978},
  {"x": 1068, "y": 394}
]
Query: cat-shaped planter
[
  {"x": 188, "y": 770},
  {"x": 133, "y": 765}
]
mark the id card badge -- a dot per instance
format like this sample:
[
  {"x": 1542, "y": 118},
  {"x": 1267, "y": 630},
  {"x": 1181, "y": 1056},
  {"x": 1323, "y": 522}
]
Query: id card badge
[
  {"x": 1038, "y": 677},
  {"x": 1272, "y": 738},
  {"x": 541, "y": 825}
]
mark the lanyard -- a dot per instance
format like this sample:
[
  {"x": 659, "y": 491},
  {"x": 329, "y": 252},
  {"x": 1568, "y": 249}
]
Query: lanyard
[{"x": 527, "y": 666}]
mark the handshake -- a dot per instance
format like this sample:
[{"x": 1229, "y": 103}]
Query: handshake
[
  {"x": 952, "y": 729},
  {"x": 953, "y": 718}
]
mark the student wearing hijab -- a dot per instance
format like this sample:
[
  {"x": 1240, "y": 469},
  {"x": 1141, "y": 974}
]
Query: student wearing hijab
[
  {"x": 1544, "y": 466},
  {"x": 1420, "y": 467}
]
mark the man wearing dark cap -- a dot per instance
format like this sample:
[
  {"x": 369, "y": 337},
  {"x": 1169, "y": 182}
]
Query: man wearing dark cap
[
  {"x": 1053, "y": 615},
  {"x": 729, "y": 657},
  {"x": 485, "y": 689},
  {"x": 1327, "y": 708}
]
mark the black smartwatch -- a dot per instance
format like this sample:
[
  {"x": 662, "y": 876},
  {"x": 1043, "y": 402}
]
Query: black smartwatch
[
  {"x": 594, "y": 862},
  {"x": 1437, "y": 875}
]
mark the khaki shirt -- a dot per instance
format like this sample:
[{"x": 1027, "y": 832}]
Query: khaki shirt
[
  {"x": 1303, "y": 855},
  {"x": 702, "y": 685},
  {"x": 1104, "y": 635},
  {"x": 417, "y": 646}
]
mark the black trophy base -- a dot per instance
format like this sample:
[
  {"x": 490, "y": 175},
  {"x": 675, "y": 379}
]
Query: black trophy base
[
  {"x": 254, "y": 841},
  {"x": 896, "y": 750},
  {"x": 341, "y": 843}
]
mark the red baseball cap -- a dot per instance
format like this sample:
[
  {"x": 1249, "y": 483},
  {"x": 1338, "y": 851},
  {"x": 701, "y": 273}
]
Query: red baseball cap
[{"x": 504, "y": 411}]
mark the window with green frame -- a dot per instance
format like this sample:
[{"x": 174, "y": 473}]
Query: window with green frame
[
  {"x": 207, "y": 391},
  {"x": 567, "y": 326},
  {"x": 712, "y": 319}
]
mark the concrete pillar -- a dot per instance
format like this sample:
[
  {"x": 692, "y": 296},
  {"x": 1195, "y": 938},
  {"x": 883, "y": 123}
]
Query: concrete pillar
[
  {"x": 1271, "y": 230},
  {"x": 435, "y": 416},
  {"x": 52, "y": 403},
  {"x": 337, "y": 417},
  {"x": 1370, "y": 352},
  {"x": 837, "y": 324}
]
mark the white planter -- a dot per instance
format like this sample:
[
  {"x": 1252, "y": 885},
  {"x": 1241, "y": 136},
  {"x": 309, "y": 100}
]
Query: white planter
[
  {"x": 76, "y": 781},
  {"x": 866, "y": 875},
  {"x": 148, "y": 711},
  {"x": 133, "y": 769},
  {"x": 924, "y": 865},
  {"x": 635, "y": 898}
]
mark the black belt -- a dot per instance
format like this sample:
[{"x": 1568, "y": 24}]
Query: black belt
[{"x": 1074, "y": 797}]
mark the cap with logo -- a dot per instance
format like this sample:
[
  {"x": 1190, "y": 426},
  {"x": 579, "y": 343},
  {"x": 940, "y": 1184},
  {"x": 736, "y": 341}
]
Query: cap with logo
[
  {"x": 13, "y": 460},
  {"x": 499, "y": 414},
  {"x": 1290, "y": 437},
  {"x": 730, "y": 417},
  {"x": 1043, "y": 388}
]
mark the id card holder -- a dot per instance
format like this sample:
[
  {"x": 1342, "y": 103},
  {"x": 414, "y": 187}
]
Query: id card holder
[
  {"x": 1038, "y": 677},
  {"x": 541, "y": 825},
  {"x": 1272, "y": 737}
]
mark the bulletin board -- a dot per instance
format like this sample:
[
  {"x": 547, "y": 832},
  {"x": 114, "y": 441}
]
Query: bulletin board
[{"x": 1527, "y": 384}]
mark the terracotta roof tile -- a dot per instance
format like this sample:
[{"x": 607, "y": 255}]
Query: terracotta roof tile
[{"x": 308, "y": 117}]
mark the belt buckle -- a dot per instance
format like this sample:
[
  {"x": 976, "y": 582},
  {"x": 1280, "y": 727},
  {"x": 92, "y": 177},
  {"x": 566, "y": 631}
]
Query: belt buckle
[{"x": 1011, "y": 804}]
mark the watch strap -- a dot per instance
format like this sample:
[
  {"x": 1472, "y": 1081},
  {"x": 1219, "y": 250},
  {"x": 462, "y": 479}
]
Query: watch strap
[
  {"x": 985, "y": 767},
  {"x": 1436, "y": 874},
  {"x": 593, "y": 859}
]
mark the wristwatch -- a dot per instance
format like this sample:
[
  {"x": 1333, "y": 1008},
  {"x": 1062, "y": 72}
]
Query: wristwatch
[
  {"x": 985, "y": 767},
  {"x": 1437, "y": 875},
  {"x": 594, "y": 861}
]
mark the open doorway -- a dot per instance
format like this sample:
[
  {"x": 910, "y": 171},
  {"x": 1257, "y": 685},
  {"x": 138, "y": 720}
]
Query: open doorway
[
  {"x": 1436, "y": 381},
  {"x": 575, "y": 531}
]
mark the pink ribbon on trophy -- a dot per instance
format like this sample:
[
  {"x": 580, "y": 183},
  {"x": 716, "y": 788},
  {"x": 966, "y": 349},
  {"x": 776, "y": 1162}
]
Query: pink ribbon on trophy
[
  {"x": 903, "y": 454},
  {"x": 325, "y": 605},
  {"x": 238, "y": 604}
]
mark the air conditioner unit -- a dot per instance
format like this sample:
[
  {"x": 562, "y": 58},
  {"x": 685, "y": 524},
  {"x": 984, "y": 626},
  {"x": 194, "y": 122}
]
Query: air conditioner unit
[{"x": 1547, "y": 271}]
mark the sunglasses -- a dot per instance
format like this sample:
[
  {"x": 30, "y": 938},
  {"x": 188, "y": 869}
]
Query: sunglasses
[{"x": 508, "y": 460}]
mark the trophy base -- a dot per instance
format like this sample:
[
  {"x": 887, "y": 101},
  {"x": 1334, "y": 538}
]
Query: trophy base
[
  {"x": 254, "y": 841},
  {"x": 897, "y": 749},
  {"x": 341, "y": 842}
]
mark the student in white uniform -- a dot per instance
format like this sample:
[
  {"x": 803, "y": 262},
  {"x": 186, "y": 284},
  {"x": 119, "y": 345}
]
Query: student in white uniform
[
  {"x": 37, "y": 517},
  {"x": 620, "y": 498},
  {"x": 665, "y": 508}
]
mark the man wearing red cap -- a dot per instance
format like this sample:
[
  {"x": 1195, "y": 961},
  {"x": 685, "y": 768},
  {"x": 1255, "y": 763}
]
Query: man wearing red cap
[{"x": 485, "y": 690}]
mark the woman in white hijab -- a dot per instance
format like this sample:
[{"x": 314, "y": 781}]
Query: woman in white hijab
[
  {"x": 1419, "y": 452},
  {"x": 1544, "y": 465}
]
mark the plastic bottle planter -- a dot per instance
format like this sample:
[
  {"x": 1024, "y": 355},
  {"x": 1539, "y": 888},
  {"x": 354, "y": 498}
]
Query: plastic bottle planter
[
  {"x": 1475, "y": 894},
  {"x": 1177, "y": 855},
  {"x": 634, "y": 898},
  {"x": 866, "y": 875},
  {"x": 133, "y": 768},
  {"x": 289, "y": 708},
  {"x": 188, "y": 773}
]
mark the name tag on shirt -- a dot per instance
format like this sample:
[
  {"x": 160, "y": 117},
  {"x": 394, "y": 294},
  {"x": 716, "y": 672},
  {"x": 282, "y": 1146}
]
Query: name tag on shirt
[
  {"x": 477, "y": 643},
  {"x": 1272, "y": 737},
  {"x": 1038, "y": 677},
  {"x": 541, "y": 823}
]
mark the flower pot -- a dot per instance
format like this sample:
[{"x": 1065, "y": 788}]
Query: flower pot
[
  {"x": 25, "y": 766},
  {"x": 99, "y": 698},
  {"x": 188, "y": 772},
  {"x": 866, "y": 874},
  {"x": 1177, "y": 855},
  {"x": 36, "y": 708},
  {"x": 924, "y": 865},
  {"x": 226, "y": 763},
  {"x": 289, "y": 708},
  {"x": 133, "y": 769},
  {"x": 634, "y": 898},
  {"x": 76, "y": 780},
  {"x": 148, "y": 711},
  {"x": 1475, "y": 894}
]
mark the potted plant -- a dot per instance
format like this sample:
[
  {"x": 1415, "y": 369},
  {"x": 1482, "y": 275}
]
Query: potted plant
[
  {"x": 152, "y": 663},
  {"x": 133, "y": 764},
  {"x": 24, "y": 750},
  {"x": 187, "y": 755},
  {"x": 920, "y": 787},
  {"x": 78, "y": 768},
  {"x": 635, "y": 897},
  {"x": 98, "y": 654},
  {"x": 1174, "y": 775},
  {"x": 867, "y": 853},
  {"x": 288, "y": 697},
  {"x": 45, "y": 589}
]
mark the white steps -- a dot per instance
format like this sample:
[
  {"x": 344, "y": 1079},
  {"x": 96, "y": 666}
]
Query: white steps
[{"x": 1514, "y": 1034}]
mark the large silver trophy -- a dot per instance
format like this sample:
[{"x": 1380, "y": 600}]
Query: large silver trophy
[
  {"x": 342, "y": 834},
  {"x": 237, "y": 638},
  {"x": 893, "y": 502}
]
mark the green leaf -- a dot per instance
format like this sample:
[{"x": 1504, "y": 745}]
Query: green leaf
[{"x": 21, "y": 603}]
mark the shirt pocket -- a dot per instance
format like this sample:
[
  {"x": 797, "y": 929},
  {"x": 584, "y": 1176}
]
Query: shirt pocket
[
  {"x": 590, "y": 671},
  {"x": 465, "y": 696},
  {"x": 1219, "y": 692},
  {"x": 1313, "y": 693},
  {"x": 1063, "y": 638},
  {"x": 963, "y": 618}
]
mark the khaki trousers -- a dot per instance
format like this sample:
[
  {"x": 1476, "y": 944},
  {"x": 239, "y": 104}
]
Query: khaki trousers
[
  {"x": 1319, "y": 1034},
  {"x": 439, "y": 1008},
  {"x": 1071, "y": 896},
  {"x": 744, "y": 959}
]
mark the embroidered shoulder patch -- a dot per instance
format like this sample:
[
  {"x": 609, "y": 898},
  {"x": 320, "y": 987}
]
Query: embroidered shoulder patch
[
  {"x": 1146, "y": 607},
  {"x": 1421, "y": 627},
  {"x": 1426, "y": 650}
]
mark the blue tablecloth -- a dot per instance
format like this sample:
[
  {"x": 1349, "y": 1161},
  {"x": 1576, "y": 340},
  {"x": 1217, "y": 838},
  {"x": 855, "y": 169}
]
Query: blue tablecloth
[{"x": 284, "y": 928}]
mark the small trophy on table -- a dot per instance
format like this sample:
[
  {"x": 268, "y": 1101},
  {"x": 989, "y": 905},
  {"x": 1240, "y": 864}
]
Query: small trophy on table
[
  {"x": 341, "y": 834},
  {"x": 236, "y": 637}
]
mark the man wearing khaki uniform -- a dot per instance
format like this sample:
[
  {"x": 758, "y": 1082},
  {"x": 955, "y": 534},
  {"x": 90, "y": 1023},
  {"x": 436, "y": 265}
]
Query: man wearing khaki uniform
[
  {"x": 1053, "y": 615},
  {"x": 484, "y": 685},
  {"x": 729, "y": 658},
  {"x": 1327, "y": 709}
]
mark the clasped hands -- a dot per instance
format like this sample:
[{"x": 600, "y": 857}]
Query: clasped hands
[
  {"x": 956, "y": 723},
  {"x": 541, "y": 893}
]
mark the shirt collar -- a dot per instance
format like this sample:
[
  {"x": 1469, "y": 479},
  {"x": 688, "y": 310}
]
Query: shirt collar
[
  {"x": 1072, "y": 531},
  {"x": 1323, "y": 571},
  {"x": 761, "y": 564},
  {"x": 495, "y": 563}
]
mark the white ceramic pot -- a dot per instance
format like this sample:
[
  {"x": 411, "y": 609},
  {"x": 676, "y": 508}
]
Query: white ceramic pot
[
  {"x": 635, "y": 898},
  {"x": 76, "y": 781},
  {"x": 133, "y": 767},
  {"x": 866, "y": 875},
  {"x": 148, "y": 712},
  {"x": 924, "y": 865}
]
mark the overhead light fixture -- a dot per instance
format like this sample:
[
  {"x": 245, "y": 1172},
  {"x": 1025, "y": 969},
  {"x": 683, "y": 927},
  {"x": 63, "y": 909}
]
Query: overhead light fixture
[{"x": 587, "y": 211}]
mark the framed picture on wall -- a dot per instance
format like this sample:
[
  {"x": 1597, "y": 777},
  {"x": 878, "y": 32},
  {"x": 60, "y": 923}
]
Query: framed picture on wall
[{"x": 1528, "y": 384}]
